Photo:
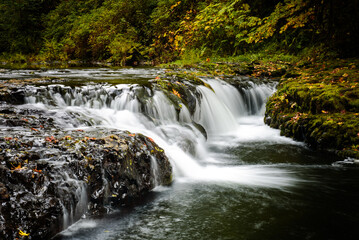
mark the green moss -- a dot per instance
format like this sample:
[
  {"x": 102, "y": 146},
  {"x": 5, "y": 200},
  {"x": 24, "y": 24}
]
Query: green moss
[{"x": 320, "y": 106}]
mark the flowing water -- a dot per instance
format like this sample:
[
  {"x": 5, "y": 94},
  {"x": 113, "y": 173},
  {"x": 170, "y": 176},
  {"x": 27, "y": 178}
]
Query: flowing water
[{"x": 234, "y": 177}]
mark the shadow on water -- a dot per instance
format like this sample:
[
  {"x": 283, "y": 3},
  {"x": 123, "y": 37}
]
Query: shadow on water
[
  {"x": 320, "y": 208},
  {"x": 86, "y": 227}
]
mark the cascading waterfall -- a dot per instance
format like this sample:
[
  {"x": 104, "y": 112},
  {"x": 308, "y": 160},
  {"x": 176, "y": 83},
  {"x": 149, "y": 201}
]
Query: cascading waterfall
[{"x": 220, "y": 111}]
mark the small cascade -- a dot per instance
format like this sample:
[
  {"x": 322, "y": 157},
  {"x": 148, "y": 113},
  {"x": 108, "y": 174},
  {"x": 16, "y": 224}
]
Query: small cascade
[
  {"x": 230, "y": 96},
  {"x": 255, "y": 98},
  {"x": 155, "y": 171},
  {"x": 160, "y": 108},
  {"x": 66, "y": 221},
  {"x": 219, "y": 111},
  {"x": 213, "y": 114},
  {"x": 79, "y": 207}
]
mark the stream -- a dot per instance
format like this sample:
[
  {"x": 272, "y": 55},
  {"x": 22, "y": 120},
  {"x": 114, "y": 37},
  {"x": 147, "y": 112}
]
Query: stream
[{"x": 234, "y": 177}]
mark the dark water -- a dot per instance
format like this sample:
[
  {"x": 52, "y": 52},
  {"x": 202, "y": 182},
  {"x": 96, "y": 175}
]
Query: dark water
[
  {"x": 250, "y": 183},
  {"x": 322, "y": 204}
]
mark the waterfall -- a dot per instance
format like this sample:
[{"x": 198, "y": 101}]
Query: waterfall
[
  {"x": 155, "y": 170},
  {"x": 222, "y": 114},
  {"x": 213, "y": 114}
]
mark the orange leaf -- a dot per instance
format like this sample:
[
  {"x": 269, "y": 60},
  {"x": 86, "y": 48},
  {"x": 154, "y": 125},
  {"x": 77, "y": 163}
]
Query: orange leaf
[
  {"x": 176, "y": 93},
  {"x": 67, "y": 137},
  {"x": 19, "y": 168},
  {"x": 38, "y": 171}
]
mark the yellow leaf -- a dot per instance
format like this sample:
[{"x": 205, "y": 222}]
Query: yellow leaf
[{"x": 21, "y": 233}]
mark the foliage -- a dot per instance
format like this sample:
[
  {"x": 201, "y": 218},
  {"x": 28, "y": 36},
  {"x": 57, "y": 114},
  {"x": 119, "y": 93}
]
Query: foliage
[
  {"x": 125, "y": 31},
  {"x": 220, "y": 27},
  {"x": 21, "y": 24}
]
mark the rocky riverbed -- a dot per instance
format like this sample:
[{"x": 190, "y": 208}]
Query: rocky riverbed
[{"x": 51, "y": 177}]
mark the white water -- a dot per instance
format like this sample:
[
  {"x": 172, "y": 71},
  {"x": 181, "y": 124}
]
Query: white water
[{"x": 227, "y": 117}]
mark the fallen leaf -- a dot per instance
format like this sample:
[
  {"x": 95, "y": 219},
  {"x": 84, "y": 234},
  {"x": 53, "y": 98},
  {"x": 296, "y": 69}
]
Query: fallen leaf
[
  {"x": 176, "y": 93},
  {"x": 21, "y": 233},
  {"x": 38, "y": 171},
  {"x": 19, "y": 168}
]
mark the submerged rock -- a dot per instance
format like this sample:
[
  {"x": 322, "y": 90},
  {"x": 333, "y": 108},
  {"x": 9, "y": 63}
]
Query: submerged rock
[{"x": 50, "y": 178}]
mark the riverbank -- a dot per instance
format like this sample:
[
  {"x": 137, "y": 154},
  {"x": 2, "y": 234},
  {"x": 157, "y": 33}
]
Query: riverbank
[{"x": 316, "y": 102}]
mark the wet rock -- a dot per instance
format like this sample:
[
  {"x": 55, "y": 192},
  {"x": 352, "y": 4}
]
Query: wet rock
[
  {"x": 51, "y": 178},
  {"x": 4, "y": 194}
]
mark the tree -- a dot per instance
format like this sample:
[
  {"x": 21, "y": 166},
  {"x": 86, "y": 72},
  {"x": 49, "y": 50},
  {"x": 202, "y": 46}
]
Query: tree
[{"x": 21, "y": 24}]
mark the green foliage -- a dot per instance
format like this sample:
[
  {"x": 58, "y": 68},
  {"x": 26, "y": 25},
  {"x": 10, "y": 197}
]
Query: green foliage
[
  {"x": 109, "y": 30},
  {"x": 124, "y": 31},
  {"x": 21, "y": 24},
  {"x": 220, "y": 27}
]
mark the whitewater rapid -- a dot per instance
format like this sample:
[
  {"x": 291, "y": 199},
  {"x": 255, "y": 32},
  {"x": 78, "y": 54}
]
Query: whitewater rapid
[{"x": 227, "y": 115}]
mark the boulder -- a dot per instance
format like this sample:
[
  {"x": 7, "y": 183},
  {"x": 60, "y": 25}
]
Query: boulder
[{"x": 51, "y": 178}]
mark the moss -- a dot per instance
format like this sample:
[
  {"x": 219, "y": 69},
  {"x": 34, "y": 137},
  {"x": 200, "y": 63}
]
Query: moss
[{"x": 319, "y": 106}]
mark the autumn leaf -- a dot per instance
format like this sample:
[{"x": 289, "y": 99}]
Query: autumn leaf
[
  {"x": 176, "y": 93},
  {"x": 19, "y": 168},
  {"x": 21, "y": 233},
  {"x": 51, "y": 139},
  {"x": 38, "y": 171}
]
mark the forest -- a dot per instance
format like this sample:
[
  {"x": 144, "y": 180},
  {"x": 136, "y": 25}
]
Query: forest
[{"x": 126, "y": 32}]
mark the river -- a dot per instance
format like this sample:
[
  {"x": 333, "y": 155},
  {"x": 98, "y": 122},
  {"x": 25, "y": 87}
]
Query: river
[{"x": 234, "y": 177}]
